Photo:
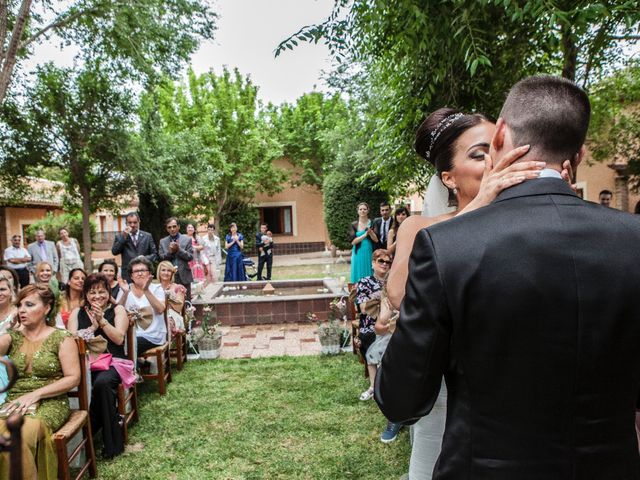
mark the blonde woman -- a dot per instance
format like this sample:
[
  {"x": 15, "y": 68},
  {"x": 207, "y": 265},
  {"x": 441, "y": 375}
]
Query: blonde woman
[{"x": 174, "y": 293}]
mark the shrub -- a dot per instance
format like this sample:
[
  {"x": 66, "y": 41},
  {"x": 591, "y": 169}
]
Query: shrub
[{"x": 341, "y": 194}]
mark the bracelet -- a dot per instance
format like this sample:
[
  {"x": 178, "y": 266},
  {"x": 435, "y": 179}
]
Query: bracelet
[{"x": 103, "y": 323}]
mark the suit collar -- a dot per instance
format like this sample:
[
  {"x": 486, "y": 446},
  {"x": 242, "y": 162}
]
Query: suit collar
[{"x": 540, "y": 186}]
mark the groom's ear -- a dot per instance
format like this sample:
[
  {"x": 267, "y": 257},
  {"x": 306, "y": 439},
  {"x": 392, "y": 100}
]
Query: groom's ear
[
  {"x": 579, "y": 157},
  {"x": 497, "y": 142}
]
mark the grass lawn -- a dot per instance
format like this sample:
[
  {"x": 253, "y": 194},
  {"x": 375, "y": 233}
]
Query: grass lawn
[
  {"x": 269, "y": 418},
  {"x": 286, "y": 272}
]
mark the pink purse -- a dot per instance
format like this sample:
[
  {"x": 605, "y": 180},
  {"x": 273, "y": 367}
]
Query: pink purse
[{"x": 100, "y": 363}]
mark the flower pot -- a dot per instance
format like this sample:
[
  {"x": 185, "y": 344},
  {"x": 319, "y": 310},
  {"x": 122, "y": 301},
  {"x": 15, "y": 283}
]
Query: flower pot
[
  {"x": 209, "y": 354},
  {"x": 193, "y": 356},
  {"x": 329, "y": 341}
]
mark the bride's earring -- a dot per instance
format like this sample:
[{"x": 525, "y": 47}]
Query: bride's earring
[{"x": 455, "y": 191}]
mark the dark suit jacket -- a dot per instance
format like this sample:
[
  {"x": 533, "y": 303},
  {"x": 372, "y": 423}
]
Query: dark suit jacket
[
  {"x": 125, "y": 247},
  {"x": 377, "y": 228},
  {"x": 530, "y": 308},
  {"x": 181, "y": 258}
]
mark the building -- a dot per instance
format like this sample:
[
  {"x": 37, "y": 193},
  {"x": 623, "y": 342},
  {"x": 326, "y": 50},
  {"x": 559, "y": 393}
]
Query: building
[
  {"x": 16, "y": 216},
  {"x": 294, "y": 215}
]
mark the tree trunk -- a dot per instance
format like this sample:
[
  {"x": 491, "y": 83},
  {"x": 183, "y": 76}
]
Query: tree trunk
[
  {"x": 9, "y": 60},
  {"x": 570, "y": 53},
  {"x": 86, "y": 229}
]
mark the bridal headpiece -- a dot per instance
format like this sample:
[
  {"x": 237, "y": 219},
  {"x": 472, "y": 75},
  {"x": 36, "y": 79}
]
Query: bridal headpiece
[{"x": 445, "y": 123}]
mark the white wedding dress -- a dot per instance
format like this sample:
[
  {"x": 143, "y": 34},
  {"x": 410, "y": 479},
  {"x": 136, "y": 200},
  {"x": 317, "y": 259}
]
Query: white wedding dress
[{"x": 426, "y": 434}]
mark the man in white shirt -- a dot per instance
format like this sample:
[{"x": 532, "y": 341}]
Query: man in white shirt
[{"x": 17, "y": 257}]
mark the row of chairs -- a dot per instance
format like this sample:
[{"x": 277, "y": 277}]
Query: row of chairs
[{"x": 78, "y": 423}]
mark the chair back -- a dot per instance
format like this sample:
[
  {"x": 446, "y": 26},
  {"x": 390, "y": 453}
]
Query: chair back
[
  {"x": 352, "y": 313},
  {"x": 82, "y": 392},
  {"x": 130, "y": 342}
]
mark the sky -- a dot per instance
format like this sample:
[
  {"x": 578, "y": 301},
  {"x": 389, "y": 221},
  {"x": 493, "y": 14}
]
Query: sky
[{"x": 248, "y": 32}]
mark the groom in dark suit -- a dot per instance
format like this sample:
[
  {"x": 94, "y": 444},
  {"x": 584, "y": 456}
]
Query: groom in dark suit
[
  {"x": 532, "y": 319},
  {"x": 133, "y": 242}
]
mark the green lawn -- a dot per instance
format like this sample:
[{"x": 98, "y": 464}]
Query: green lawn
[{"x": 270, "y": 418}]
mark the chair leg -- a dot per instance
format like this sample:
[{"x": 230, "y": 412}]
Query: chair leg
[
  {"x": 179, "y": 351},
  {"x": 122, "y": 411},
  {"x": 89, "y": 450},
  {"x": 63, "y": 460},
  {"x": 134, "y": 403},
  {"x": 161, "y": 380},
  {"x": 168, "y": 370}
]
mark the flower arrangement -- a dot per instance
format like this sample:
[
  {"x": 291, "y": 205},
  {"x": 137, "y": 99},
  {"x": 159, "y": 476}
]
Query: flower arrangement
[
  {"x": 204, "y": 335},
  {"x": 332, "y": 331}
]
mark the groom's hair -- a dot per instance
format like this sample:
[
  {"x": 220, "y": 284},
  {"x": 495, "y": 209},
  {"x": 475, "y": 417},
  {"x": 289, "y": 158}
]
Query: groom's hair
[{"x": 549, "y": 113}]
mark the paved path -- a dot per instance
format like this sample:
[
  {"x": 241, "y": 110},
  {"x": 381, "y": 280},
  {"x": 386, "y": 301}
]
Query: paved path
[{"x": 255, "y": 341}]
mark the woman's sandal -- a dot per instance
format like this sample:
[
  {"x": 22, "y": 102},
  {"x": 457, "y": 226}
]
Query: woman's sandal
[{"x": 366, "y": 395}]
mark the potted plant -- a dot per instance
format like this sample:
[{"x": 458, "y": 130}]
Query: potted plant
[
  {"x": 330, "y": 333},
  {"x": 194, "y": 333},
  {"x": 210, "y": 338}
]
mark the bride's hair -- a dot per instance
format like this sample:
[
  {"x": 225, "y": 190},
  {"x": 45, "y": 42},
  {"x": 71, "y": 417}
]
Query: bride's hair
[{"x": 436, "y": 136}]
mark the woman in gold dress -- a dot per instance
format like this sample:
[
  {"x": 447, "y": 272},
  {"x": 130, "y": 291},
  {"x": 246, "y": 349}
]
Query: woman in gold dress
[{"x": 47, "y": 361}]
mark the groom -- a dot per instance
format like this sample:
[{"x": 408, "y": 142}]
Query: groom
[{"x": 531, "y": 318}]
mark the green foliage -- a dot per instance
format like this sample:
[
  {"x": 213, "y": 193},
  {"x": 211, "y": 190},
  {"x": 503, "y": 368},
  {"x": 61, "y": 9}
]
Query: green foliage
[
  {"x": 141, "y": 40},
  {"x": 402, "y": 59},
  {"x": 154, "y": 208},
  {"x": 342, "y": 193},
  {"x": 615, "y": 127},
  {"x": 304, "y": 131},
  {"x": 209, "y": 144},
  {"x": 52, "y": 223},
  {"x": 279, "y": 418},
  {"x": 79, "y": 123}
]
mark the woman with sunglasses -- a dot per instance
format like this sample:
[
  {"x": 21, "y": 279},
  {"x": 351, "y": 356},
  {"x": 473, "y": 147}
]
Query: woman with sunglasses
[{"x": 367, "y": 300}]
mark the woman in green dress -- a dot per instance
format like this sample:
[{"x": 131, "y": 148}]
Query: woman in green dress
[
  {"x": 47, "y": 361},
  {"x": 363, "y": 238}
]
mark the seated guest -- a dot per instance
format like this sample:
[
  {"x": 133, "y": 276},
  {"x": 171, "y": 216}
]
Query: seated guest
[
  {"x": 47, "y": 362},
  {"x": 44, "y": 274},
  {"x": 72, "y": 297},
  {"x": 100, "y": 319},
  {"x": 7, "y": 320},
  {"x": 147, "y": 301},
  {"x": 367, "y": 300},
  {"x": 109, "y": 268},
  {"x": 175, "y": 295},
  {"x": 11, "y": 275},
  {"x": 7, "y": 305}
]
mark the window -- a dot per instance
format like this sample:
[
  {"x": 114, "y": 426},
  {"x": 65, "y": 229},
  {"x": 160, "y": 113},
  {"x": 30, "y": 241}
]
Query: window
[{"x": 279, "y": 219}]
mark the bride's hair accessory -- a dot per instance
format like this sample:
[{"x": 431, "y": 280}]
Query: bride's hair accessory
[{"x": 445, "y": 123}]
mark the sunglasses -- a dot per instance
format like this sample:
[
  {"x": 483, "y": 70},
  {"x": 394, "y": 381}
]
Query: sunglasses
[{"x": 383, "y": 262}]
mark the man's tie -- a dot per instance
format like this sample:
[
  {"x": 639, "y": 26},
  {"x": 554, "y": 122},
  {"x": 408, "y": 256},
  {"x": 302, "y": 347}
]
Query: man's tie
[
  {"x": 134, "y": 239},
  {"x": 383, "y": 237}
]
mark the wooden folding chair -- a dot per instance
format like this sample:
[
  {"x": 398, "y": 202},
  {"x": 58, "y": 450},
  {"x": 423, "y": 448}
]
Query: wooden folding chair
[
  {"x": 78, "y": 420},
  {"x": 128, "y": 398},
  {"x": 179, "y": 348},
  {"x": 162, "y": 357}
]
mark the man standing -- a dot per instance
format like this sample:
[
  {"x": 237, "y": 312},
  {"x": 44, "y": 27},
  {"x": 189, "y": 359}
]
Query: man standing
[
  {"x": 605, "y": 198},
  {"x": 381, "y": 225},
  {"x": 178, "y": 250},
  {"x": 42, "y": 250},
  {"x": 133, "y": 242},
  {"x": 530, "y": 317},
  {"x": 264, "y": 245},
  {"x": 17, "y": 257}
]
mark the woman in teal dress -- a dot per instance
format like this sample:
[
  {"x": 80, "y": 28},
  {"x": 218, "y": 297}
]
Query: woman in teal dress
[
  {"x": 362, "y": 237},
  {"x": 47, "y": 361}
]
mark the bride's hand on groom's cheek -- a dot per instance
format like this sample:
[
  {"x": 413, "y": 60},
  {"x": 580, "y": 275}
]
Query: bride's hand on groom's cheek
[{"x": 506, "y": 173}]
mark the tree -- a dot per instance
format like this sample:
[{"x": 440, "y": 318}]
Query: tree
[
  {"x": 140, "y": 38},
  {"x": 216, "y": 145},
  {"x": 404, "y": 58},
  {"x": 78, "y": 122},
  {"x": 304, "y": 130},
  {"x": 614, "y": 133}
]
